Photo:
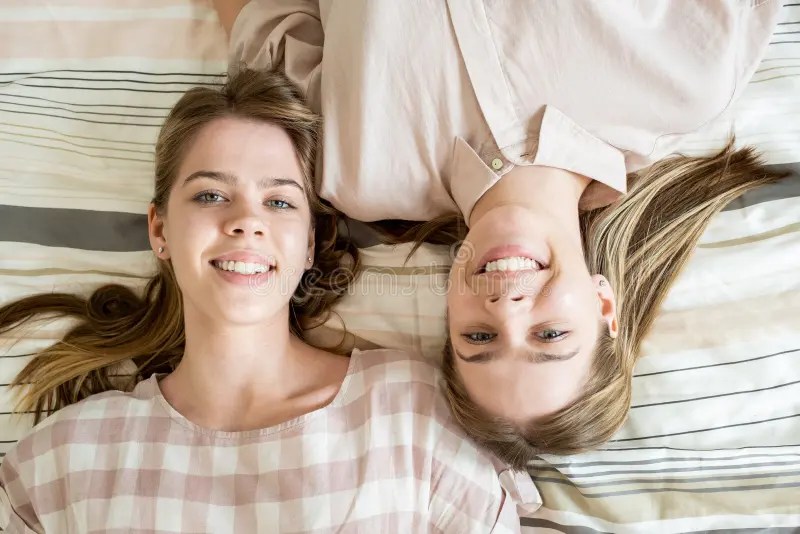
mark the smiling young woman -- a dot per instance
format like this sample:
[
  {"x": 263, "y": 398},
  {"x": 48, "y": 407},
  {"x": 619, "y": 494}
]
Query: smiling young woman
[{"x": 232, "y": 421}]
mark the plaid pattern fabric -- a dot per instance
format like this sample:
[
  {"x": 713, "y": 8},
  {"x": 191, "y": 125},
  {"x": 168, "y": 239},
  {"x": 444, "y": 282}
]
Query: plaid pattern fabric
[{"x": 384, "y": 456}]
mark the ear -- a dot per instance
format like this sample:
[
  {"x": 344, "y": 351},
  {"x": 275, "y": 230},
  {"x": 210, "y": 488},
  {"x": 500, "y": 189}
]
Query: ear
[
  {"x": 311, "y": 248},
  {"x": 155, "y": 228},
  {"x": 608, "y": 304}
]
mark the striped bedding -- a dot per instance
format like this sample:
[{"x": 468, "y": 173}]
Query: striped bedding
[{"x": 713, "y": 440}]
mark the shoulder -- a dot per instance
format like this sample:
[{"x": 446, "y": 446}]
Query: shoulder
[{"x": 85, "y": 421}]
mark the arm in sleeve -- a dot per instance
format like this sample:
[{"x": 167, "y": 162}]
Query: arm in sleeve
[
  {"x": 466, "y": 492},
  {"x": 281, "y": 34},
  {"x": 17, "y": 513}
]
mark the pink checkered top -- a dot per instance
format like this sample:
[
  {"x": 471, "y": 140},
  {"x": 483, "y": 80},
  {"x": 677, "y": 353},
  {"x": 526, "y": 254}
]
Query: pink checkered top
[{"x": 384, "y": 456}]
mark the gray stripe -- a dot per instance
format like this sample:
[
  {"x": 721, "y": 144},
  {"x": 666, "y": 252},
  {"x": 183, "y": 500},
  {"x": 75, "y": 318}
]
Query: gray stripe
[
  {"x": 536, "y": 522},
  {"x": 724, "y": 489},
  {"x": 789, "y": 187},
  {"x": 717, "y": 449},
  {"x": 558, "y": 466},
  {"x": 643, "y": 481},
  {"x": 680, "y": 469},
  {"x": 81, "y": 229},
  {"x": 568, "y": 529}
]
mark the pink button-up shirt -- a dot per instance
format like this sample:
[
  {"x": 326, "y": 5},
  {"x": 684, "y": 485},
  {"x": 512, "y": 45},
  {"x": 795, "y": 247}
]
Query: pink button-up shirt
[{"x": 428, "y": 103}]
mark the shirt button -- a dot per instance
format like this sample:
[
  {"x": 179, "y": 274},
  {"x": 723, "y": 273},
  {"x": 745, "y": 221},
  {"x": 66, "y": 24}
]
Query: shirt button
[{"x": 497, "y": 164}]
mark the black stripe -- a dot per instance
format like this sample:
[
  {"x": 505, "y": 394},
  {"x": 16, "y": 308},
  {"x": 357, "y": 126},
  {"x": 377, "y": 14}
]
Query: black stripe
[
  {"x": 785, "y": 33},
  {"x": 708, "y": 429},
  {"x": 664, "y": 447},
  {"x": 571, "y": 529},
  {"x": 715, "y": 396},
  {"x": 162, "y": 117},
  {"x": 121, "y": 80},
  {"x": 80, "y": 120},
  {"x": 717, "y": 364},
  {"x": 675, "y": 469},
  {"x": 535, "y": 522},
  {"x": 15, "y": 355},
  {"x": 180, "y": 92},
  {"x": 784, "y": 42},
  {"x": 20, "y": 138},
  {"x": 10, "y": 95},
  {"x": 784, "y": 23},
  {"x": 81, "y": 229},
  {"x": 560, "y": 466},
  {"x": 198, "y": 74}
]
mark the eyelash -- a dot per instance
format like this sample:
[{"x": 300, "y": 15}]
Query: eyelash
[
  {"x": 199, "y": 197},
  {"x": 469, "y": 339}
]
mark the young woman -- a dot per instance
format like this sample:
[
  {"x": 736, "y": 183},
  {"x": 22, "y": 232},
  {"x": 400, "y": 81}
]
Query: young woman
[
  {"x": 513, "y": 117},
  {"x": 237, "y": 424}
]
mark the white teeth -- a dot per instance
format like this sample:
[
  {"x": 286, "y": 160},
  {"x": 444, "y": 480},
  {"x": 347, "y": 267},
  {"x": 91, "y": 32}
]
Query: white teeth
[
  {"x": 241, "y": 267},
  {"x": 515, "y": 263}
]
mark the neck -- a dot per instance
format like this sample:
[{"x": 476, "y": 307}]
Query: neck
[
  {"x": 229, "y": 374},
  {"x": 550, "y": 191}
]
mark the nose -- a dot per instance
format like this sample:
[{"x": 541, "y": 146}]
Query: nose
[
  {"x": 508, "y": 301},
  {"x": 244, "y": 222}
]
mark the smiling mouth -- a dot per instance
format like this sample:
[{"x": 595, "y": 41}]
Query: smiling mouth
[
  {"x": 510, "y": 264},
  {"x": 242, "y": 267}
]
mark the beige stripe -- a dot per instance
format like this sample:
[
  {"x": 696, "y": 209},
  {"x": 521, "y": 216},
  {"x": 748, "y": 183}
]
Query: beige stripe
[
  {"x": 778, "y": 68},
  {"x": 670, "y": 505},
  {"x": 56, "y": 271},
  {"x": 753, "y": 238},
  {"x": 26, "y": 4},
  {"x": 775, "y": 78},
  {"x": 151, "y": 39},
  {"x": 724, "y": 324}
]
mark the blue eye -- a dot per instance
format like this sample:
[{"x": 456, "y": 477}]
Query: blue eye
[
  {"x": 550, "y": 335},
  {"x": 279, "y": 204},
  {"x": 209, "y": 197},
  {"x": 478, "y": 338}
]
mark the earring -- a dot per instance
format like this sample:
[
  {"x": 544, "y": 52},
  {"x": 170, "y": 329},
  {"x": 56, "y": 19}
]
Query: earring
[
  {"x": 602, "y": 282},
  {"x": 160, "y": 250},
  {"x": 310, "y": 259}
]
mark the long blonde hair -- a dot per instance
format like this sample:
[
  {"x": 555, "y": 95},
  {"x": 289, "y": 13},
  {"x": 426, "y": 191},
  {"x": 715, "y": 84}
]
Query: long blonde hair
[
  {"x": 640, "y": 244},
  {"x": 115, "y": 325}
]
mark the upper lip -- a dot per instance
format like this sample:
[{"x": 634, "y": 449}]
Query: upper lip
[{"x": 247, "y": 256}]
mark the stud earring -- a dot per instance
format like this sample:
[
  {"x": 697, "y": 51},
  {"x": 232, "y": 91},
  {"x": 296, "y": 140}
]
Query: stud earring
[
  {"x": 602, "y": 282},
  {"x": 310, "y": 258},
  {"x": 160, "y": 250}
]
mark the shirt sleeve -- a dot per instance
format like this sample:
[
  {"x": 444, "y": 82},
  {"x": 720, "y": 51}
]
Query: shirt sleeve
[
  {"x": 281, "y": 34},
  {"x": 470, "y": 490},
  {"x": 17, "y": 514}
]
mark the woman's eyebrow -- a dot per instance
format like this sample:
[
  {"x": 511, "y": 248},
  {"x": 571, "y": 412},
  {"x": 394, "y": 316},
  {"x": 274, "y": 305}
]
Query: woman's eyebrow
[
  {"x": 533, "y": 356},
  {"x": 232, "y": 179}
]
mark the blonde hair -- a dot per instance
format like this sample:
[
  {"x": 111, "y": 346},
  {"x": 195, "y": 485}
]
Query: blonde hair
[
  {"x": 115, "y": 325},
  {"x": 640, "y": 243}
]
